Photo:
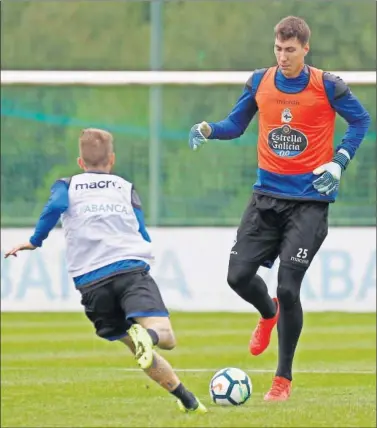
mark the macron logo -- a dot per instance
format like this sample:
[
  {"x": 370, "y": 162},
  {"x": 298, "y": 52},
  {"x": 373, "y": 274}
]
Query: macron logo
[
  {"x": 103, "y": 184},
  {"x": 297, "y": 260}
]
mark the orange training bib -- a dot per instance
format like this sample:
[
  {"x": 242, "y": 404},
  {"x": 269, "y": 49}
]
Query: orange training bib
[{"x": 296, "y": 131}]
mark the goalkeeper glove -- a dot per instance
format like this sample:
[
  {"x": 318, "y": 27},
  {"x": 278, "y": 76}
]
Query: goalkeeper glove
[
  {"x": 199, "y": 134},
  {"x": 331, "y": 172}
]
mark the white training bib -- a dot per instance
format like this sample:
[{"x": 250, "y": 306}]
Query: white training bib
[{"x": 100, "y": 224}]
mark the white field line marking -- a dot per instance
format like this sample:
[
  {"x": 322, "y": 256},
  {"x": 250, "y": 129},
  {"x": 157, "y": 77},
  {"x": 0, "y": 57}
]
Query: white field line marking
[
  {"x": 207, "y": 370},
  {"x": 193, "y": 370}
]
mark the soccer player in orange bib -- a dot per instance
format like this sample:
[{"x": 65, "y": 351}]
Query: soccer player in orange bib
[{"x": 298, "y": 177}]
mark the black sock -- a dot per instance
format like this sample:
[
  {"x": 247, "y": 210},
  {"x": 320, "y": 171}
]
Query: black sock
[
  {"x": 260, "y": 299},
  {"x": 153, "y": 335},
  {"x": 289, "y": 329},
  {"x": 188, "y": 399}
]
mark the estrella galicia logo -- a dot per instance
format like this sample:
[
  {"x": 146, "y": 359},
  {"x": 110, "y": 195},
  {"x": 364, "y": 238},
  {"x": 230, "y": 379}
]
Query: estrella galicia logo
[{"x": 287, "y": 142}]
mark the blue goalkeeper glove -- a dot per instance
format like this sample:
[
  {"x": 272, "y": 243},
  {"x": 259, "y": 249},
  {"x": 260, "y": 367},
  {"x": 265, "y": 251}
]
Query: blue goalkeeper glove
[
  {"x": 199, "y": 134},
  {"x": 331, "y": 172}
]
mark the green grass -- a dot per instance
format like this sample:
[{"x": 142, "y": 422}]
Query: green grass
[{"x": 56, "y": 373}]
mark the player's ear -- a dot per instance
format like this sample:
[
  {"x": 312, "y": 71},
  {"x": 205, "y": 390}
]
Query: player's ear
[
  {"x": 80, "y": 163},
  {"x": 306, "y": 48},
  {"x": 112, "y": 159}
]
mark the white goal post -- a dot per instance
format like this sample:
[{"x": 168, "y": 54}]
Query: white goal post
[{"x": 34, "y": 77}]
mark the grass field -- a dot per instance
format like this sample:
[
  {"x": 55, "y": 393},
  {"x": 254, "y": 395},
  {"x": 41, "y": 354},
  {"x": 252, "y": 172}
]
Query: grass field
[{"x": 56, "y": 373}]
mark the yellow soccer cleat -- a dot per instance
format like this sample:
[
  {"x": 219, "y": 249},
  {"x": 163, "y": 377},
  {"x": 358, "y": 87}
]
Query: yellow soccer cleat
[
  {"x": 143, "y": 346},
  {"x": 200, "y": 409}
]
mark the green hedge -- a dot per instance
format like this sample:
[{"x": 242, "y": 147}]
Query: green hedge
[
  {"x": 197, "y": 35},
  {"x": 40, "y": 128}
]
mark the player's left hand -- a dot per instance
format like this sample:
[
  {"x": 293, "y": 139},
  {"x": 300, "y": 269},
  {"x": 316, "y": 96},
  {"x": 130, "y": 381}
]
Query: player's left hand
[
  {"x": 22, "y": 247},
  {"x": 331, "y": 172},
  {"x": 329, "y": 181}
]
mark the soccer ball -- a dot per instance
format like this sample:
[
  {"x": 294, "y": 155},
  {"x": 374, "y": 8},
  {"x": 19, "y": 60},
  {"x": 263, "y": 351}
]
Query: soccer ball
[{"x": 230, "y": 387}]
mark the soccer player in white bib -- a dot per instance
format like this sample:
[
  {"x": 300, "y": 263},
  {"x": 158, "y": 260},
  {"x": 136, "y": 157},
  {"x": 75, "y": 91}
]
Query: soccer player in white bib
[{"x": 108, "y": 253}]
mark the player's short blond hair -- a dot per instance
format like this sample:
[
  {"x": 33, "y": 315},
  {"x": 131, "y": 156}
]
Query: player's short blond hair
[{"x": 96, "y": 147}]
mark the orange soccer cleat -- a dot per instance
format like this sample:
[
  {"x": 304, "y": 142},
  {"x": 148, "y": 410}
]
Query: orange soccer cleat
[
  {"x": 280, "y": 390},
  {"x": 261, "y": 336}
]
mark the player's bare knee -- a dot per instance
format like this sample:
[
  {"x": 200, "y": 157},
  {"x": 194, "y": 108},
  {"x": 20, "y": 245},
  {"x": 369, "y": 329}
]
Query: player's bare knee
[
  {"x": 167, "y": 340},
  {"x": 163, "y": 328},
  {"x": 166, "y": 337}
]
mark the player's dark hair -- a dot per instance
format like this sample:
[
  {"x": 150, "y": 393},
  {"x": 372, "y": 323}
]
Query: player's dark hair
[{"x": 293, "y": 27}]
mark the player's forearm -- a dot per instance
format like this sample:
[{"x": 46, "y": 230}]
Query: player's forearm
[
  {"x": 56, "y": 205},
  {"x": 226, "y": 130},
  {"x": 46, "y": 223},
  {"x": 355, "y": 134},
  {"x": 142, "y": 229}
]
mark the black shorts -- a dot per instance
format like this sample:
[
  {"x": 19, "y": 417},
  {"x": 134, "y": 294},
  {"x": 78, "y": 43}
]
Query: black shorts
[
  {"x": 271, "y": 227},
  {"x": 112, "y": 305}
]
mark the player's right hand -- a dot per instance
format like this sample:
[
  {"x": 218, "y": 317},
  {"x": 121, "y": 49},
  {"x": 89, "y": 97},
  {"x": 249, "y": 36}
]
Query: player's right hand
[
  {"x": 199, "y": 134},
  {"x": 21, "y": 247}
]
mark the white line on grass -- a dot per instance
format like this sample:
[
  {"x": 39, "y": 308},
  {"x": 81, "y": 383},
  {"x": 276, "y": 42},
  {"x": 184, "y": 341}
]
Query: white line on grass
[
  {"x": 207, "y": 370},
  {"x": 191, "y": 370}
]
